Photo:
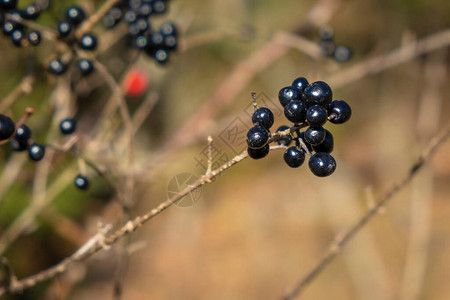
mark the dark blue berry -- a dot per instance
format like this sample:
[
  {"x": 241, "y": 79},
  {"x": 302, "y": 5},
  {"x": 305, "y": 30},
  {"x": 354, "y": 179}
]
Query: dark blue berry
[
  {"x": 8, "y": 28},
  {"x": 302, "y": 137},
  {"x": 294, "y": 156},
  {"x": 7, "y": 127},
  {"x": 81, "y": 182},
  {"x": 23, "y": 134},
  {"x": 342, "y": 54},
  {"x": 145, "y": 10},
  {"x": 85, "y": 66},
  {"x": 300, "y": 83},
  {"x": 18, "y": 146},
  {"x": 327, "y": 144},
  {"x": 285, "y": 140},
  {"x": 57, "y": 67},
  {"x": 159, "y": 7},
  {"x": 169, "y": 28},
  {"x": 339, "y": 112},
  {"x": 295, "y": 111},
  {"x": 34, "y": 37},
  {"x": 257, "y": 137},
  {"x": 314, "y": 135},
  {"x": 75, "y": 15},
  {"x": 161, "y": 56},
  {"x": 32, "y": 12},
  {"x": 322, "y": 164},
  {"x": 170, "y": 42},
  {"x": 318, "y": 93},
  {"x": 326, "y": 33},
  {"x": 263, "y": 117},
  {"x": 88, "y": 42},
  {"x": 64, "y": 28},
  {"x": 316, "y": 115},
  {"x": 327, "y": 48},
  {"x": 288, "y": 94},
  {"x": 130, "y": 16},
  {"x": 17, "y": 36},
  {"x": 36, "y": 152},
  {"x": 68, "y": 126},
  {"x": 258, "y": 153}
]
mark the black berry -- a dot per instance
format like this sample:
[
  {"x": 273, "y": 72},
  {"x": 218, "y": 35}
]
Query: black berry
[
  {"x": 326, "y": 33},
  {"x": 258, "y": 153},
  {"x": 17, "y": 36},
  {"x": 34, "y": 37},
  {"x": 88, "y": 42},
  {"x": 327, "y": 144},
  {"x": 7, "y": 127},
  {"x": 342, "y": 53},
  {"x": 159, "y": 7},
  {"x": 67, "y": 126},
  {"x": 322, "y": 164},
  {"x": 294, "y": 156},
  {"x": 263, "y": 117},
  {"x": 57, "y": 67},
  {"x": 161, "y": 56},
  {"x": 318, "y": 93},
  {"x": 64, "y": 28},
  {"x": 8, "y": 4},
  {"x": 316, "y": 115},
  {"x": 168, "y": 29},
  {"x": 23, "y": 134},
  {"x": 339, "y": 112},
  {"x": 314, "y": 135},
  {"x": 288, "y": 94},
  {"x": 295, "y": 111},
  {"x": 86, "y": 66},
  {"x": 81, "y": 182},
  {"x": 300, "y": 83},
  {"x": 36, "y": 152},
  {"x": 18, "y": 146},
  {"x": 75, "y": 15},
  {"x": 32, "y": 12},
  {"x": 257, "y": 137}
]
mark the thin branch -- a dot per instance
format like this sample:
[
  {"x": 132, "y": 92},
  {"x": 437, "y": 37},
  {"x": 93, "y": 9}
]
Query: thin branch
[
  {"x": 95, "y": 18},
  {"x": 103, "y": 240},
  {"x": 24, "y": 87},
  {"x": 342, "y": 239}
]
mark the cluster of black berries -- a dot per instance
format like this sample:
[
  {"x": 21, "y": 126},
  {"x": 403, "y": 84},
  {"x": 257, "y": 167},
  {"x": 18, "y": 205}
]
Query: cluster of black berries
[
  {"x": 74, "y": 16},
  {"x": 305, "y": 105},
  {"x": 340, "y": 53},
  {"x": 20, "y": 140},
  {"x": 18, "y": 34},
  {"x": 136, "y": 13}
]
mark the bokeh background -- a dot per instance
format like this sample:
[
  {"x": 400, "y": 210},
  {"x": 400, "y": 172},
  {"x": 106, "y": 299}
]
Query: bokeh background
[{"x": 260, "y": 226}]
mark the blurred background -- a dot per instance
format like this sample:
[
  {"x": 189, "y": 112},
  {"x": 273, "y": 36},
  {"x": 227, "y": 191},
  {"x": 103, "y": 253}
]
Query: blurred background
[{"x": 260, "y": 226}]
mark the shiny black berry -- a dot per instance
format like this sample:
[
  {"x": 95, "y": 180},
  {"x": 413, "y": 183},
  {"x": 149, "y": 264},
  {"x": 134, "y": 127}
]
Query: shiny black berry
[
  {"x": 285, "y": 140},
  {"x": 34, "y": 37},
  {"x": 36, "y": 152},
  {"x": 130, "y": 16},
  {"x": 170, "y": 42},
  {"x": 75, "y": 15},
  {"x": 23, "y": 134},
  {"x": 18, "y": 146},
  {"x": 339, "y": 112},
  {"x": 288, "y": 94},
  {"x": 85, "y": 66},
  {"x": 64, "y": 28},
  {"x": 295, "y": 111},
  {"x": 7, "y": 127},
  {"x": 161, "y": 56},
  {"x": 322, "y": 164},
  {"x": 294, "y": 156},
  {"x": 318, "y": 93},
  {"x": 68, "y": 126},
  {"x": 263, "y": 117},
  {"x": 316, "y": 115},
  {"x": 300, "y": 83},
  {"x": 314, "y": 135},
  {"x": 32, "y": 12},
  {"x": 159, "y": 7},
  {"x": 302, "y": 137},
  {"x": 258, "y": 153},
  {"x": 81, "y": 182},
  {"x": 141, "y": 42},
  {"x": 88, "y": 42},
  {"x": 169, "y": 28},
  {"x": 342, "y": 54},
  {"x": 327, "y": 144},
  {"x": 257, "y": 137},
  {"x": 57, "y": 67},
  {"x": 17, "y": 36}
]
